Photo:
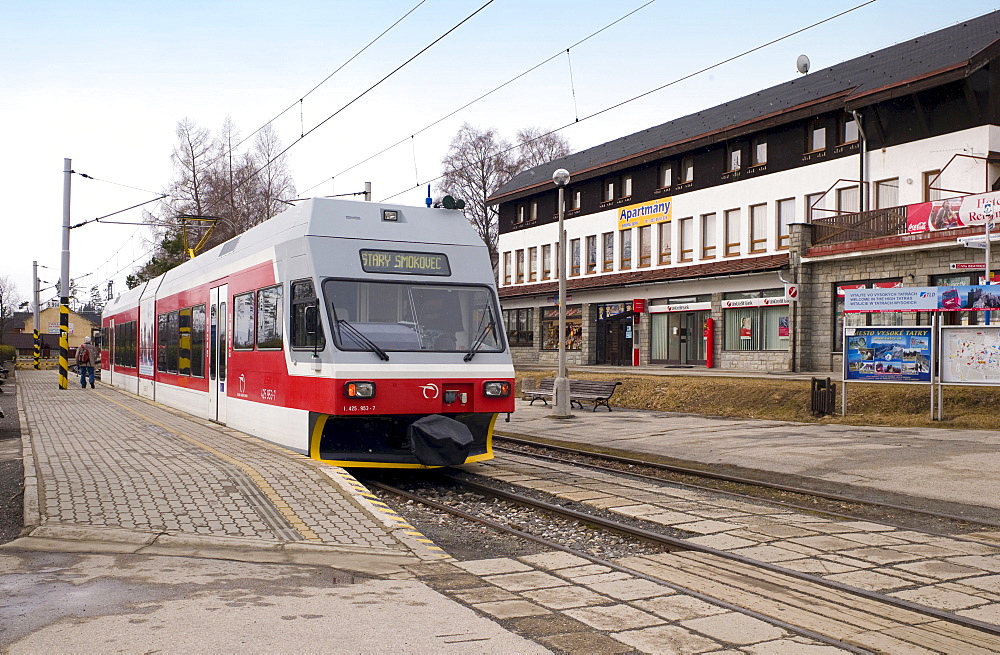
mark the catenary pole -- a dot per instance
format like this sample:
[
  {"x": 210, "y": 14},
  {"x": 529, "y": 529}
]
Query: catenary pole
[
  {"x": 64, "y": 282},
  {"x": 37, "y": 315}
]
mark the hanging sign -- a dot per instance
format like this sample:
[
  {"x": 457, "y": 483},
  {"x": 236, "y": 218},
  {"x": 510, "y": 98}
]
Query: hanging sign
[{"x": 913, "y": 299}]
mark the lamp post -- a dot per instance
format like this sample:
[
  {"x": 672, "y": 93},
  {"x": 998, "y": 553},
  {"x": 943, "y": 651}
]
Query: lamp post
[{"x": 562, "y": 407}]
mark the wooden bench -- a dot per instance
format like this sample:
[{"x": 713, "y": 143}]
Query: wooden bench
[{"x": 595, "y": 391}]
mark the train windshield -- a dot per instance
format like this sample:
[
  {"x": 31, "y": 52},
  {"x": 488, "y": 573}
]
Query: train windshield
[{"x": 401, "y": 316}]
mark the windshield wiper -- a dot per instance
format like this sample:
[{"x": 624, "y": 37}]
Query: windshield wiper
[
  {"x": 359, "y": 337},
  {"x": 484, "y": 331}
]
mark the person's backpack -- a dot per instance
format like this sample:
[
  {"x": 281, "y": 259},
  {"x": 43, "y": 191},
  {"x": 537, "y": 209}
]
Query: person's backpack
[{"x": 84, "y": 356}]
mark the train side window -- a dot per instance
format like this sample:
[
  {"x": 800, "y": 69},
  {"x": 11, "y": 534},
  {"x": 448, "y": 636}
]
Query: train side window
[
  {"x": 184, "y": 344},
  {"x": 161, "y": 343},
  {"x": 307, "y": 333},
  {"x": 243, "y": 321},
  {"x": 173, "y": 341},
  {"x": 269, "y": 321},
  {"x": 198, "y": 341}
]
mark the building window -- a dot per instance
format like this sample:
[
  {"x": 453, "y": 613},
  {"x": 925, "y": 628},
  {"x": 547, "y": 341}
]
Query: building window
[
  {"x": 575, "y": 251},
  {"x": 932, "y": 184},
  {"x": 533, "y": 213},
  {"x": 757, "y": 328},
  {"x": 591, "y": 254},
  {"x": 786, "y": 216},
  {"x": 687, "y": 169},
  {"x": 243, "y": 322},
  {"x": 758, "y": 151},
  {"x": 626, "y": 250},
  {"x": 609, "y": 190},
  {"x": 733, "y": 158},
  {"x": 575, "y": 199},
  {"x": 849, "y": 200},
  {"x": 546, "y": 261},
  {"x": 814, "y": 206},
  {"x": 666, "y": 176},
  {"x": 519, "y": 270},
  {"x": 626, "y": 186},
  {"x": 522, "y": 211},
  {"x": 520, "y": 326},
  {"x": 848, "y": 130},
  {"x": 608, "y": 250},
  {"x": 532, "y": 264},
  {"x": 817, "y": 137},
  {"x": 645, "y": 245},
  {"x": 304, "y": 297},
  {"x": 506, "y": 268},
  {"x": 887, "y": 193},
  {"x": 685, "y": 229},
  {"x": 733, "y": 240},
  {"x": 664, "y": 241},
  {"x": 550, "y": 328},
  {"x": 708, "y": 236},
  {"x": 758, "y": 228}
]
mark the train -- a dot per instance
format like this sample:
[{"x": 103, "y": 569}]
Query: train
[{"x": 360, "y": 334}]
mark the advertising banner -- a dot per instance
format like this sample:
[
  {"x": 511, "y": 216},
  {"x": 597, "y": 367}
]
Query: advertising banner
[
  {"x": 646, "y": 213},
  {"x": 951, "y": 213},
  {"x": 903, "y": 299},
  {"x": 887, "y": 354},
  {"x": 981, "y": 297}
]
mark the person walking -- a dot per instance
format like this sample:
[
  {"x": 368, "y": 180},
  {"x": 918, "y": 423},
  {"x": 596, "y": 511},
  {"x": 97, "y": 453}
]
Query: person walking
[{"x": 86, "y": 359}]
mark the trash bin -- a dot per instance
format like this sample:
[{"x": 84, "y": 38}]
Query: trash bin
[{"x": 823, "y": 396}]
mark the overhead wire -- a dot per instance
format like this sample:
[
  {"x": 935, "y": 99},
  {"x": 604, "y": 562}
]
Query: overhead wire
[
  {"x": 372, "y": 87},
  {"x": 485, "y": 95},
  {"x": 651, "y": 91}
]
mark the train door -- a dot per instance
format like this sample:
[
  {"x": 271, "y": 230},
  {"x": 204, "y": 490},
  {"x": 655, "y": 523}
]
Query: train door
[
  {"x": 108, "y": 377},
  {"x": 218, "y": 354}
]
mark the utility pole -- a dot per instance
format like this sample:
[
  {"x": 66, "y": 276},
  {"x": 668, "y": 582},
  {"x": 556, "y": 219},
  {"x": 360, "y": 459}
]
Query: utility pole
[
  {"x": 64, "y": 282},
  {"x": 38, "y": 314}
]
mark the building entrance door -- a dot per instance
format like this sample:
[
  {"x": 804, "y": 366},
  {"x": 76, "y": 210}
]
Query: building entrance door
[
  {"x": 686, "y": 338},
  {"x": 614, "y": 340}
]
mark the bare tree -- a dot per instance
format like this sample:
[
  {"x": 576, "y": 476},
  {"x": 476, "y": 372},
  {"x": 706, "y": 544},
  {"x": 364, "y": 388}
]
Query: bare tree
[
  {"x": 212, "y": 179},
  {"x": 479, "y": 162},
  {"x": 536, "y": 146},
  {"x": 9, "y": 299}
]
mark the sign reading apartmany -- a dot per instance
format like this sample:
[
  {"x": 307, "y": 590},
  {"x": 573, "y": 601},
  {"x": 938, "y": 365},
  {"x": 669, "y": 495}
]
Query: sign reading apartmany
[{"x": 646, "y": 213}]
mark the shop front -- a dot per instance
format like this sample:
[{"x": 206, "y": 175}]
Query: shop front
[{"x": 678, "y": 331}]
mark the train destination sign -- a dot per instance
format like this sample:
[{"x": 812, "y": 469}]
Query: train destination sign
[{"x": 407, "y": 263}]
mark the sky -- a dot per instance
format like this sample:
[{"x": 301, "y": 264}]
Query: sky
[{"x": 105, "y": 83}]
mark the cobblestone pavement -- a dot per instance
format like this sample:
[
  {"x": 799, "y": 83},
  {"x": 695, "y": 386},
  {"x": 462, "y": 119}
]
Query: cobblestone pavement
[
  {"x": 109, "y": 461},
  {"x": 571, "y": 605},
  {"x": 953, "y": 574}
]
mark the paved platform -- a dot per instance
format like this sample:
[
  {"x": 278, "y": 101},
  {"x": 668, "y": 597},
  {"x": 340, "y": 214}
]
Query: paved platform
[
  {"x": 957, "y": 468},
  {"x": 105, "y": 467}
]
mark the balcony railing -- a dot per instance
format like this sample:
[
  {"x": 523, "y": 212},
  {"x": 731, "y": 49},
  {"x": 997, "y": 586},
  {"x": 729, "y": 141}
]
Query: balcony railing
[{"x": 856, "y": 227}]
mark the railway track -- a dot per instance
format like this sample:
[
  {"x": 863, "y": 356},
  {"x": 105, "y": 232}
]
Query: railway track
[
  {"x": 797, "y": 498},
  {"x": 854, "y": 619}
]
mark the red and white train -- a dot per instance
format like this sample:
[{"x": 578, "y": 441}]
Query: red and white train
[{"x": 360, "y": 334}]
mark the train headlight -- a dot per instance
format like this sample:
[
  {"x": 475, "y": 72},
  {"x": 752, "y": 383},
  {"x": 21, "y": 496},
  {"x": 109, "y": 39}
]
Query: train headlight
[
  {"x": 496, "y": 389},
  {"x": 359, "y": 389}
]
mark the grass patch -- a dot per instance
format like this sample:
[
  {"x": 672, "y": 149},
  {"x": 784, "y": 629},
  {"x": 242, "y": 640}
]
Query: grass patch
[{"x": 895, "y": 405}]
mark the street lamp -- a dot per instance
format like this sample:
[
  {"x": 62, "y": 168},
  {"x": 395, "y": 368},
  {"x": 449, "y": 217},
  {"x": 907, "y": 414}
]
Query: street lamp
[{"x": 562, "y": 403}]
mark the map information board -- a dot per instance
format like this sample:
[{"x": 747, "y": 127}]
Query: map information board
[{"x": 970, "y": 355}]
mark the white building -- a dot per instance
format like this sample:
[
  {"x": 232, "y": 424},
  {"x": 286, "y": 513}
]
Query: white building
[{"x": 703, "y": 219}]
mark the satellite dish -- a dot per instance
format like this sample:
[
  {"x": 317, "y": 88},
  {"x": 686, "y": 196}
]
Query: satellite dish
[{"x": 802, "y": 64}]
